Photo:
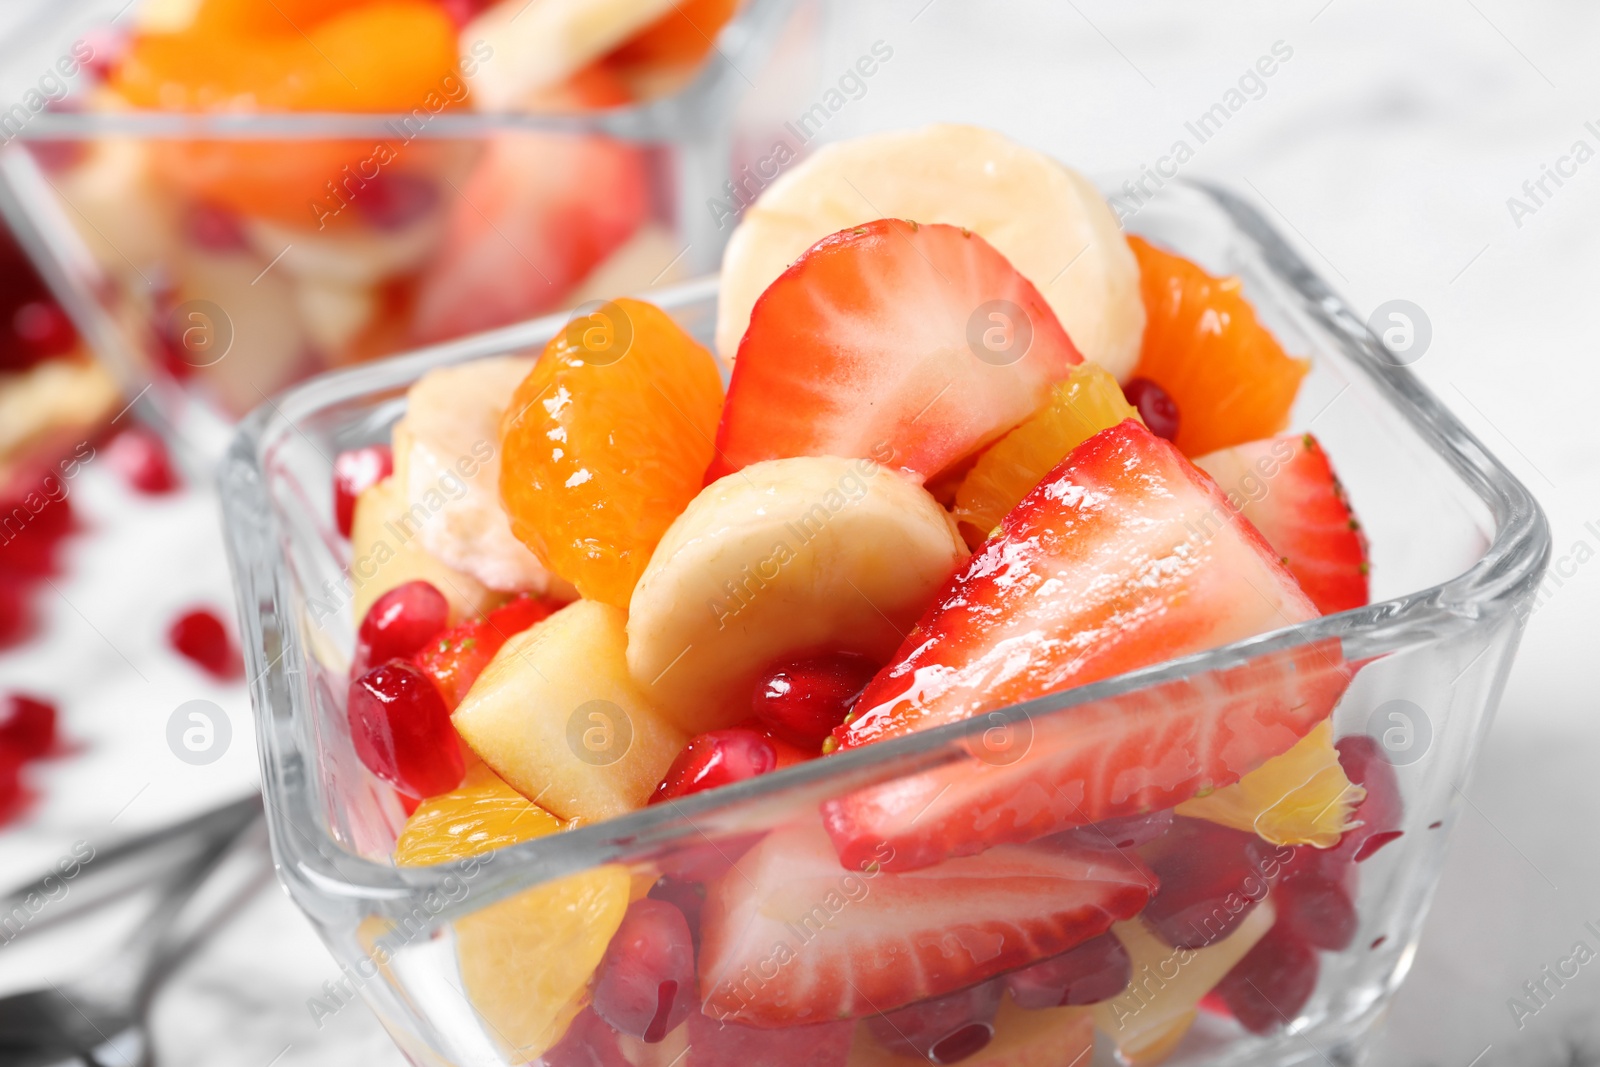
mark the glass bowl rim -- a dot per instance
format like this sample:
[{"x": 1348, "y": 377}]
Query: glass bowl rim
[
  {"x": 1505, "y": 575},
  {"x": 699, "y": 98}
]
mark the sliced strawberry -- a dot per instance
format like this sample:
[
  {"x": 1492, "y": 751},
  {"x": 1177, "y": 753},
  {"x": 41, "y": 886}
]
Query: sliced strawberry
[
  {"x": 540, "y": 211},
  {"x": 911, "y": 345},
  {"x": 1124, "y": 556},
  {"x": 456, "y": 657},
  {"x": 789, "y": 938},
  {"x": 1287, "y": 489}
]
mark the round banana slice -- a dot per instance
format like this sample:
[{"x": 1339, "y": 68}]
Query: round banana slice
[
  {"x": 785, "y": 557},
  {"x": 451, "y": 472},
  {"x": 1049, "y": 221}
]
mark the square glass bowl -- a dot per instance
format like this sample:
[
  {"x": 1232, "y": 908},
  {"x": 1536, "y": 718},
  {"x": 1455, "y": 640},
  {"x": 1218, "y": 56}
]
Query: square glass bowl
[
  {"x": 451, "y": 957},
  {"x": 219, "y": 258}
]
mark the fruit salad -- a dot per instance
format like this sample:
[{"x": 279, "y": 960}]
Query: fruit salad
[
  {"x": 963, "y": 445},
  {"x": 252, "y": 259}
]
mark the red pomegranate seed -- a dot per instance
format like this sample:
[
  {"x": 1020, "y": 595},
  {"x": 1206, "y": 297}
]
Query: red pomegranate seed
[
  {"x": 802, "y": 700},
  {"x": 1375, "y": 842},
  {"x": 1096, "y": 970},
  {"x": 398, "y": 624},
  {"x": 1128, "y": 832},
  {"x": 1156, "y": 407},
  {"x": 1205, "y": 872},
  {"x": 27, "y": 726},
  {"x": 395, "y": 199},
  {"x": 1316, "y": 911},
  {"x": 142, "y": 459},
  {"x": 215, "y": 229},
  {"x": 44, "y": 328},
  {"x": 1382, "y": 811},
  {"x": 645, "y": 984},
  {"x": 1268, "y": 987},
  {"x": 16, "y": 621},
  {"x": 354, "y": 472},
  {"x": 727, "y": 1044},
  {"x": 200, "y": 635},
  {"x": 720, "y": 757},
  {"x": 688, "y": 897},
  {"x": 12, "y": 795},
  {"x": 402, "y": 732},
  {"x": 942, "y": 1030}
]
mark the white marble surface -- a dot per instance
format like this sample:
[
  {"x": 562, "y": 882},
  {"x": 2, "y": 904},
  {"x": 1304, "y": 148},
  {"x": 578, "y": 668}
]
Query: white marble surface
[{"x": 1388, "y": 146}]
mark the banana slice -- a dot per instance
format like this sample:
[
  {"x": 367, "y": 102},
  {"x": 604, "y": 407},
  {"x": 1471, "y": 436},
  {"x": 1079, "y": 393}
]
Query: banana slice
[
  {"x": 536, "y": 44},
  {"x": 1049, "y": 221},
  {"x": 787, "y": 556},
  {"x": 451, "y": 471}
]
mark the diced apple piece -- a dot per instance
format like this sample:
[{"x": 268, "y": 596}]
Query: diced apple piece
[
  {"x": 386, "y": 552},
  {"x": 557, "y": 715}
]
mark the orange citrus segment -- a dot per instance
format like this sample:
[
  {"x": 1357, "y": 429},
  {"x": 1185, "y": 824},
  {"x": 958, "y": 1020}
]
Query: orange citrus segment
[
  {"x": 1080, "y": 407},
  {"x": 1299, "y": 798},
  {"x": 1203, "y": 344},
  {"x": 683, "y": 35},
  {"x": 481, "y": 814},
  {"x": 526, "y": 960},
  {"x": 606, "y": 442},
  {"x": 385, "y": 55}
]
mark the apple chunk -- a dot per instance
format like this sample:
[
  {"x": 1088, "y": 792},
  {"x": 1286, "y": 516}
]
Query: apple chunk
[{"x": 557, "y": 715}]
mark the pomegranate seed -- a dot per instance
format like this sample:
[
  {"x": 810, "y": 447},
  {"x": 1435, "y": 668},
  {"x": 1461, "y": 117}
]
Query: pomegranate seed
[
  {"x": 215, "y": 229},
  {"x": 720, "y": 757},
  {"x": 395, "y": 199},
  {"x": 1211, "y": 878},
  {"x": 354, "y": 472},
  {"x": 1316, "y": 911},
  {"x": 645, "y": 983},
  {"x": 1268, "y": 987},
  {"x": 199, "y": 635},
  {"x": 1382, "y": 811},
  {"x": 802, "y": 700},
  {"x": 27, "y": 726},
  {"x": 725, "y": 1044},
  {"x": 12, "y": 795},
  {"x": 1128, "y": 832},
  {"x": 16, "y": 621},
  {"x": 944, "y": 1029},
  {"x": 44, "y": 328},
  {"x": 688, "y": 897},
  {"x": 1156, "y": 407},
  {"x": 402, "y": 732},
  {"x": 398, "y": 624},
  {"x": 588, "y": 1042},
  {"x": 1096, "y": 970},
  {"x": 141, "y": 458}
]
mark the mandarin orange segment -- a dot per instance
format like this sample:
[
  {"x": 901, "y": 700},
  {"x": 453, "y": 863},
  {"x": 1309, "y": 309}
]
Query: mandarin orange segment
[
  {"x": 383, "y": 55},
  {"x": 1204, "y": 345},
  {"x": 481, "y": 814},
  {"x": 606, "y": 442},
  {"x": 1080, "y": 407}
]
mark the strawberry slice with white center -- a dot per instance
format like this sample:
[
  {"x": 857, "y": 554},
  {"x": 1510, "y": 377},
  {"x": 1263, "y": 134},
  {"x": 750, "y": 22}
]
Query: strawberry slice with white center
[
  {"x": 1287, "y": 489},
  {"x": 910, "y": 345},
  {"x": 791, "y": 938},
  {"x": 1123, "y": 557}
]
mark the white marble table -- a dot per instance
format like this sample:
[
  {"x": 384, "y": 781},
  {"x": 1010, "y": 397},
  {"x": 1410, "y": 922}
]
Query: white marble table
[{"x": 1388, "y": 145}]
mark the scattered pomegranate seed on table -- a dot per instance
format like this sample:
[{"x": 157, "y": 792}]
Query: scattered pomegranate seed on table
[
  {"x": 141, "y": 457},
  {"x": 200, "y": 636},
  {"x": 27, "y": 726}
]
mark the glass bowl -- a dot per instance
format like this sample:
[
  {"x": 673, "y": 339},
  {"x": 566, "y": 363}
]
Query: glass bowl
[
  {"x": 215, "y": 259},
  {"x": 1458, "y": 547}
]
